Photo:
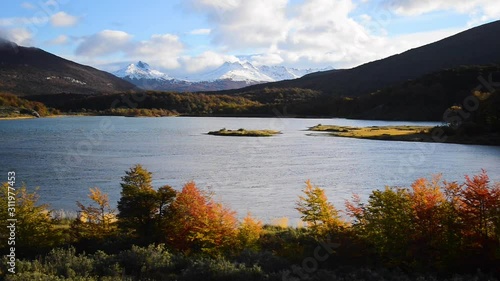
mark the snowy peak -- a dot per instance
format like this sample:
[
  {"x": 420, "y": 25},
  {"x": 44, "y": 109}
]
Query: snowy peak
[
  {"x": 278, "y": 73},
  {"x": 230, "y": 75},
  {"x": 235, "y": 71},
  {"x": 143, "y": 65},
  {"x": 141, "y": 70}
]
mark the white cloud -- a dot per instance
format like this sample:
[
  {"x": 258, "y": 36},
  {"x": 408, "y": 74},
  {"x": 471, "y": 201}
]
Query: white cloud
[
  {"x": 34, "y": 21},
  {"x": 160, "y": 49},
  {"x": 104, "y": 43},
  {"x": 62, "y": 19},
  {"x": 202, "y": 31},
  {"x": 322, "y": 33},
  {"x": 241, "y": 23},
  {"x": 205, "y": 61},
  {"x": 478, "y": 10},
  {"x": 312, "y": 33},
  {"x": 20, "y": 36},
  {"x": 59, "y": 40},
  {"x": 266, "y": 59},
  {"x": 316, "y": 33}
]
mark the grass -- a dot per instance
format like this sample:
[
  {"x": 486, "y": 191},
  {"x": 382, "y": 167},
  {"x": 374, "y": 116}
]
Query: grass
[
  {"x": 401, "y": 133},
  {"x": 410, "y": 133},
  {"x": 244, "y": 133}
]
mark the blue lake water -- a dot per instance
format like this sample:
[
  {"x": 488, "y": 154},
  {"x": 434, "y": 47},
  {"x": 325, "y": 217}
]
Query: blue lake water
[{"x": 65, "y": 156}]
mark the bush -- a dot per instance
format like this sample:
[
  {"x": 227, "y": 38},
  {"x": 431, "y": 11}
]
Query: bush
[
  {"x": 220, "y": 270},
  {"x": 153, "y": 262}
]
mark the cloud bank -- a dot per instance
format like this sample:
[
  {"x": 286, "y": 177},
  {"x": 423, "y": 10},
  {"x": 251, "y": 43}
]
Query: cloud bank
[{"x": 313, "y": 33}]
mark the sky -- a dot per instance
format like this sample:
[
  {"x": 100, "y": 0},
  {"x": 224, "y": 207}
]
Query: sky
[{"x": 193, "y": 36}]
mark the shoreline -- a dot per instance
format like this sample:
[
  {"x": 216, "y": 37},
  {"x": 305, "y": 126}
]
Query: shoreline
[
  {"x": 18, "y": 117},
  {"x": 404, "y": 133},
  {"x": 81, "y": 114}
]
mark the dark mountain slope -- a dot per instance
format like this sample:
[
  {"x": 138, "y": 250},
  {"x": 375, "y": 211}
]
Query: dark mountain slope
[
  {"x": 476, "y": 46},
  {"x": 31, "y": 71}
]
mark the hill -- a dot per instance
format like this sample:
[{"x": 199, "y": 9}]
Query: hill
[
  {"x": 476, "y": 46},
  {"x": 32, "y": 71}
]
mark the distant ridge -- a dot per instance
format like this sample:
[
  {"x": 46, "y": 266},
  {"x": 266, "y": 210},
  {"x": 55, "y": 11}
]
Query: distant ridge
[
  {"x": 32, "y": 71},
  {"x": 230, "y": 75},
  {"x": 476, "y": 46}
]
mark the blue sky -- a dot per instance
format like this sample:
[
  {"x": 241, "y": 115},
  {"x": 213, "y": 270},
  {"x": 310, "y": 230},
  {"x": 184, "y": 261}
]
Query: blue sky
[{"x": 182, "y": 37}]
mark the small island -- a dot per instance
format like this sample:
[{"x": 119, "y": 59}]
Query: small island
[
  {"x": 401, "y": 133},
  {"x": 244, "y": 133},
  {"x": 466, "y": 134}
]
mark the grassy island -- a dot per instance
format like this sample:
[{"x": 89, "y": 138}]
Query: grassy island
[
  {"x": 244, "y": 133},
  {"x": 401, "y": 133},
  {"x": 412, "y": 133}
]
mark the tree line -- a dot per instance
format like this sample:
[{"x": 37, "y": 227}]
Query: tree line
[{"x": 432, "y": 229}]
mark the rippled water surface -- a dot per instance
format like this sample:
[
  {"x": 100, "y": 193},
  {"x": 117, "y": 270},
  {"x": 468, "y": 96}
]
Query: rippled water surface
[{"x": 65, "y": 156}]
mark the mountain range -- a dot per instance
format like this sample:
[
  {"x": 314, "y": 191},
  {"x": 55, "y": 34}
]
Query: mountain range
[
  {"x": 419, "y": 84},
  {"x": 32, "y": 71},
  {"x": 230, "y": 75}
]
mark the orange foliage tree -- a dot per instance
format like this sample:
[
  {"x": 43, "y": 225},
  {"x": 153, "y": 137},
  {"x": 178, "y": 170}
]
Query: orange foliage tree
[
  {"x": 480, "y": 204},
  {"x": 433, "y": 225},
  {"x": 200, "y": 224}
]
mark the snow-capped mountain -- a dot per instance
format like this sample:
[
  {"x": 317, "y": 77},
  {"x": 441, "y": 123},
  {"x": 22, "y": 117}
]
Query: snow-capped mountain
[
  {"x": 235, "y": 71},
  {"x": 230, "y": 75},
  {"x": 141, "y": 70},
  {"x": 278, "y": 73}
]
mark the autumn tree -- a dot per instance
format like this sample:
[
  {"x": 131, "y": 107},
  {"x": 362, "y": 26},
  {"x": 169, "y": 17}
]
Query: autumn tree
[
  {"x": 355, "y": 209},
  {"x": 142, "y": 209},
  {"x": 480, "y": 205},
  {"x": 427, "y": 200},
  {"x": 319, "y": 214},
  {"x": 430, "y": 222},
  {"x": 199, "y": 224},
  {"x": 249, "y": 232},
  {"x": 387, "y": 223},
  {"x": 473, "y": 220},
  {"x": 165, "y": 196},
  {"x": 94, "y": 221},
  {"x": 35, "y": 229}
]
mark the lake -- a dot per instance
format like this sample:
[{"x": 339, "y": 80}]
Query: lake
[{"x": 67, "y": 155}]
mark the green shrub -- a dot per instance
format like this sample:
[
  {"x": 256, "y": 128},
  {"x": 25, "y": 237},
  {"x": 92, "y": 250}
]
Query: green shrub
[
  {"x": 221, "y": 270},
  {"x": 153, "y": 262}
]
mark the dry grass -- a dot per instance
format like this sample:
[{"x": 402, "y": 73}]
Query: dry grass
[
  {"x": 280, "y": 222},
  {"x": 405, "y": 133}
]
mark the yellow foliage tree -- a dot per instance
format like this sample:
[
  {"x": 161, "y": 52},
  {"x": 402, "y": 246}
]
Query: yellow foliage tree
[
  {"x": 249, "y": 233},
  {"x": 94, "y": 222},
  {"x": 34, "y": 226},
  {"x": 319, "y": 214}
]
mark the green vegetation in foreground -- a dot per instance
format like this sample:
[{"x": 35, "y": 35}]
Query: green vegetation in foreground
[
  {"x": 244, "y": 133},
  {"x": 432, "y": 230}
]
